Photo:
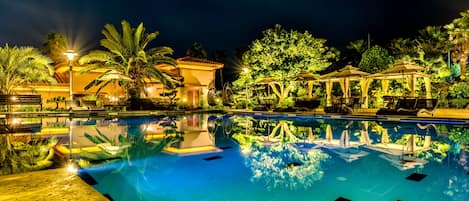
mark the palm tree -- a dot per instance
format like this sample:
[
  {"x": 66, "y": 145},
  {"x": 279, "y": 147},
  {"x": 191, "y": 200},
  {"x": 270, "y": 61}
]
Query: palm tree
[
  {"x": 23, "y": 65},
  {"x": 458, "y": 31},
  {"x": 197, "y": 51},
  {"x": 126, "y": 55}
]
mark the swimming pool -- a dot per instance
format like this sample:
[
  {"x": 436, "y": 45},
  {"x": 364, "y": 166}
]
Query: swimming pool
[{"x": 230, "y": 157}]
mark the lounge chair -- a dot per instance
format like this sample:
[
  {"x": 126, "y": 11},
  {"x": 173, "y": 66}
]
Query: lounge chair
[
  {"x": 307, "y": 104},
  {"x": 342, "y": 106},
  {"x": 409, "y": 106}
]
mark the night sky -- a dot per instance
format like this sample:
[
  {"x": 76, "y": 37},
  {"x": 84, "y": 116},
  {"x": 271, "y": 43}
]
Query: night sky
[{"x": 219, "y": 24}]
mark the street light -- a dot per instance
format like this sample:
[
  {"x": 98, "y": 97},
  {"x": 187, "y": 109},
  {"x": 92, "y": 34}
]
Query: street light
[
  {"x": 70, "y": 55},
  {"x": 246, "y": 70}
]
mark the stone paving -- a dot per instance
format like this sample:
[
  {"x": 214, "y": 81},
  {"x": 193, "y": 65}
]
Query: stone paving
[{"x": 50, "y": 185}]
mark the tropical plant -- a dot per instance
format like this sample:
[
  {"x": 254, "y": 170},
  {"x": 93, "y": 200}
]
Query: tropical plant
[
  {"x": 23, "y": 65},
  {"x": 17, "y": 156},
  {"x": 283, "y": 54},
  {"x": 197, "y": 51},
  {"x": 127, "y": 56},
  {"x": 57, "y": 100},
  {"x": 358, "y": 47},
  {"x": 402, "y": 47},
  {"x": 54, "y": 48},
  {"x": 458, "y": 32},
  {"x": 375, "y": 60}
]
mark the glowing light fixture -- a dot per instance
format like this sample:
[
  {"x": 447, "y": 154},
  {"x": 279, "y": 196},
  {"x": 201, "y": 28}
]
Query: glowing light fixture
[{"x": 70, "y": 56}]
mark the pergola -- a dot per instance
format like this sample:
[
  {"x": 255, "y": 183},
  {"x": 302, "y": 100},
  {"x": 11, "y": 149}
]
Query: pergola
[
  {"x": 403, "y": 70},
  {"x": 344, "y": 76}
]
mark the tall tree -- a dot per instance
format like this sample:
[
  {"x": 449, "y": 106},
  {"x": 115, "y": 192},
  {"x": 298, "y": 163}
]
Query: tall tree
[
  {"x": 283, "y": 54},
  {"x": 432, "y": 46},
  {"x": 458, "y": 31},
  {"x": 23, "y": 65},
  {"x": 375, "y": 60},
  {"x": 220, "y": 56},
  {"x": 357, "y": 48},
  {"x": 197, "y": 51},
  {"x": 55, "y": 46},
  {"x": 402, "y": 47},
  {"x": 126, "y": 54}
]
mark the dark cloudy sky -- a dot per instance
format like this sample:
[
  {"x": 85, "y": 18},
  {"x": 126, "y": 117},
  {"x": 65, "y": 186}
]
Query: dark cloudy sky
[{"x": 221, "y": 24}]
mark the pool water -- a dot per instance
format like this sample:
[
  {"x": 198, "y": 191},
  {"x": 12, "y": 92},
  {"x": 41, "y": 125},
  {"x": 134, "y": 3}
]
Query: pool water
[{"x": 231, "y": 158}]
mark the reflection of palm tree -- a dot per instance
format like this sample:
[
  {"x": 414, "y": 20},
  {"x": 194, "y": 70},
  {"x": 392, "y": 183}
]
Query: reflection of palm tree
[
  {"x": 17, "y": 156},
  {"x": 133, "y": 145}
]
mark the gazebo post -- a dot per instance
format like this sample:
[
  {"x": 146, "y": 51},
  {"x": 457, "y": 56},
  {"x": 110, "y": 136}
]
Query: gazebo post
[
  {"x": 328, "y": 92},
  {"x": 364, "y": 86},
  {"x": 310, "y": 89},
  {"x": 428, "y": 87},
  {"x": 412, "y": 85}
]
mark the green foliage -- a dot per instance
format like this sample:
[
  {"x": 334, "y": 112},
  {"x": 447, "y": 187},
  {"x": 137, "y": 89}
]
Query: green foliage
[
  {"x": 357, "y": 47},
  {"x": 18, "y": 156},
  {"x": 284, "y": 54},
  {"x": 23, "y": 65},
  {"x": 459, "y": 135},
  {"x": 375, "y": 59},
  {"x": 403, "y": 47},
  {"x": 54, "y": 48},
  {"x": 458, "y": 31},
  {"x": 126, "y": 54},
  {"x": 286, "y": 103},
  {"x": 459, "y": 90}
]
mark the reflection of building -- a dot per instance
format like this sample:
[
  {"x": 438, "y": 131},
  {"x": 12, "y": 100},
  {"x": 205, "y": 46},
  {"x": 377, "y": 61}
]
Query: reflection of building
[
  {"x": 197, "y": 74},
  {"x": 197, "y": 138},
  {"x": 195, "y": 142}
]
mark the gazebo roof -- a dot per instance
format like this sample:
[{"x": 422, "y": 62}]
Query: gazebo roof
[
  {"x": 306, "y": 76},
  {"x": 399, "y": 70},
  {"x": 353, "y": 73}
]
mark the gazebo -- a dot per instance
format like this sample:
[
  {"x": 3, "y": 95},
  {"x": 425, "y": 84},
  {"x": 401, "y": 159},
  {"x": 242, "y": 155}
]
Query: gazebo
[
  {"x": 344, "y": 76},
  {"x": 403, "y": 70},
  {"x": 309, "y": 78}
]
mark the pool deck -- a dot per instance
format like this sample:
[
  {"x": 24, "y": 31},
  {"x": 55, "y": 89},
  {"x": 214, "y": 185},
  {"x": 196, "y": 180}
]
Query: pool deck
[{"x": 50, "y": 185}]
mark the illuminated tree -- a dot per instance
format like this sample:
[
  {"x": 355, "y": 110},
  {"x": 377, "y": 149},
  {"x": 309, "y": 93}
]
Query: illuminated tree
[
  {"x": 126, "y": 53},
  {"x": 23, "y": 65},
  {"x": 458, "y": 31},
  {"x": 283, "y": 54},
  {"x": 281, "y": 166},
  {"x": 375, "y": 60}
]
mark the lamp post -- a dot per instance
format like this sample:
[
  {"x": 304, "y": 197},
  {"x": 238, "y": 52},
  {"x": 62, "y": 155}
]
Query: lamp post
[
  {"x": 70, "y": 55},
  {"x": 246, "y": 70}
]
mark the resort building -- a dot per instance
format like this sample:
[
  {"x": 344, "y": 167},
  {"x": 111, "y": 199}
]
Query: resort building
[{"x": 198, "y": 75}]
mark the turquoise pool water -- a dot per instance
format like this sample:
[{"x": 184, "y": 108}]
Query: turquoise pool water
[{"x": 232, "y": 158}]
